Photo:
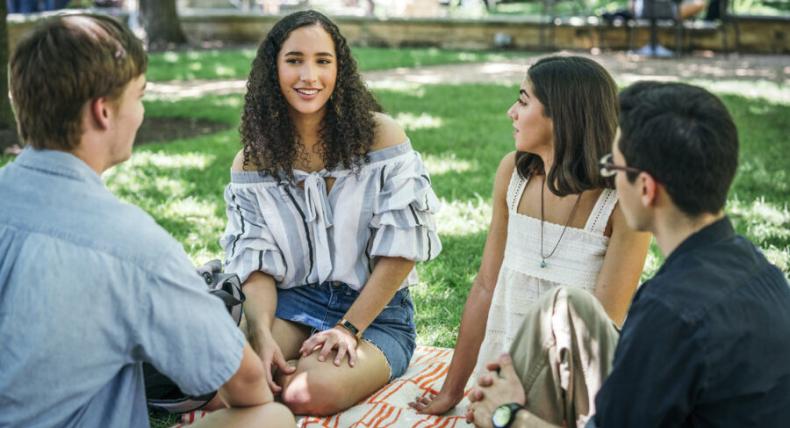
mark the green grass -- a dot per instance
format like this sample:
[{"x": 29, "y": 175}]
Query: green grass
[
  {"x": 181, "y": 183},
  {"x": 235, "y": 63}
]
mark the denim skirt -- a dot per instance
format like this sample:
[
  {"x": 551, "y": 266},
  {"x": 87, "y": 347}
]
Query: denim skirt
[{"x": 321, "y": 306}]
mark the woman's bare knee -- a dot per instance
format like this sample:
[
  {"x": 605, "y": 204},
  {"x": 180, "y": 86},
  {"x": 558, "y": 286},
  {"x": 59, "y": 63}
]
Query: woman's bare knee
[
  {"x": 273, "y": 415},
  {"x": 313, "y": 393}
]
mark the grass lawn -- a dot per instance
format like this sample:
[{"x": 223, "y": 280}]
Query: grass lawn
[
  {"x": 462, "y": 133},
  {"x": 235, "y": 63},
  {"x": 181, "y": 183}
]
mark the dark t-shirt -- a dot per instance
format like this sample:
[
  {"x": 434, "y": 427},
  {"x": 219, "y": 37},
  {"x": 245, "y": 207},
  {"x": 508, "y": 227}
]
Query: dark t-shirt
[{"x": 706, "y": 342}]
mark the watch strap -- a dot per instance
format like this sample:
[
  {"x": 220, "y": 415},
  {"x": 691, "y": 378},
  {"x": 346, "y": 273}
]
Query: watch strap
[
  {"x": 514, "y": 409},
  {"x": 351, "y": 328}
]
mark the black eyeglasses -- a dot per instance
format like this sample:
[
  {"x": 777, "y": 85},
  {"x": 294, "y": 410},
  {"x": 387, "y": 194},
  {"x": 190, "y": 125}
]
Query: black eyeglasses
[{"x": 609, "y": 169}]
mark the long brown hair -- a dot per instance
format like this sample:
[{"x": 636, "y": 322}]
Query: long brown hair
[
  {"x": 267, "y": 132},
  {"x": 580, "y": 97}
]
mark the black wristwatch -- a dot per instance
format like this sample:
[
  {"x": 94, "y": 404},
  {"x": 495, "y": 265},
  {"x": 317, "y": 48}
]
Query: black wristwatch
[{"x": 505, "y": 414}]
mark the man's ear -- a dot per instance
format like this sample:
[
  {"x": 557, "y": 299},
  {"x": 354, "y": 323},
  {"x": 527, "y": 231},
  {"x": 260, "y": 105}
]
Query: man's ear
[
  {"x": 649, "y": 189},
  {"x": 99, "y": 109}
]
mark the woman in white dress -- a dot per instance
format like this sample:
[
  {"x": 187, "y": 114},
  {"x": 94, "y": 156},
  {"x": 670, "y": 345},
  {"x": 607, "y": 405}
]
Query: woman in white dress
[{"x": 555, "y": 218}]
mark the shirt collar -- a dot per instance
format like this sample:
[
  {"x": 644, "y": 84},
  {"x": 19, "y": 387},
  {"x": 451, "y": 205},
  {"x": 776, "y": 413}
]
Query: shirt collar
[
  {"x": 714, "y": 232},
  {"x": 56, "y": 162}
]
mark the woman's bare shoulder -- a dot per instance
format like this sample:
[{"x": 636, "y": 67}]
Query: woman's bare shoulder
[
  {"x": 388, "y": 132},
  {"x": 506, "y": 167},
  {"x": 238, "y": 163}
]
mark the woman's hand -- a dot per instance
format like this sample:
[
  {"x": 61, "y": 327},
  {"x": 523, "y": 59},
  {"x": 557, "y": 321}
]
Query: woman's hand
[
  {"x": 270, "y": 354},
  {"x": 436, "y": 404},
  {"x": 335, "y": 338}
]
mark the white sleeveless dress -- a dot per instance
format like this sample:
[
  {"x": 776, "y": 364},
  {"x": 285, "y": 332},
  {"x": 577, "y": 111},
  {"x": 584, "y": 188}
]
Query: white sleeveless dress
[{"x": 575, "y": 263}]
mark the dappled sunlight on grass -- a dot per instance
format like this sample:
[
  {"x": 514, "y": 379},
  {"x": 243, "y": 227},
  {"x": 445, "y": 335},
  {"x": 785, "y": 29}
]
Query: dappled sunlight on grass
[
  {"x": 445, "y": 163},
  {"x": 235, "y": 62},
  {"x": 464, "y": 217},
  {"x": 767, "y": 224},
  {"x": 170, "y": 57},
  {"x": 222, "y": 71},
  {"x": 397, "y": 85},
  {"x": 235, "y": 102},
  {"x": 758, "y": 90},
  {"x": 201, "y": 217},
  {"x": 200, "y": 64},
  {"x": 778, "y": 93},
  {"x": 411, "y": 122},
  {"x": 169, "y": 161},
  {"x": 652, "y": 262},
  {"x": 778, "y": 256},
  {"x": 764, "y": 222}
]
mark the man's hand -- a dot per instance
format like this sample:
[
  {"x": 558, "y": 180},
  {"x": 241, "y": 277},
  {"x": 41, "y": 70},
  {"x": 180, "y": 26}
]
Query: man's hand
[
  {"x": 272, "y": 357},
  {"x": 500, "y": 386}
]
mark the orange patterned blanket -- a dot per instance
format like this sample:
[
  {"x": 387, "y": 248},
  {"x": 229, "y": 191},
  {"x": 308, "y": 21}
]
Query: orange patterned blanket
[{"x": 389, "y": 407}]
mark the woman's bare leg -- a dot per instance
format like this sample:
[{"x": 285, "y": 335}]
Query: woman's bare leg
[
  {"x": 321, "y": 388},
  {"x": 273, "y": 415},
  {"x": 288, "y": 335}
]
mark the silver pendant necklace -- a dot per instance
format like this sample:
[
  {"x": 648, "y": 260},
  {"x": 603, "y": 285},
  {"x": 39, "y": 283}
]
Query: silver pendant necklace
[{"x": 543, "y": 257}]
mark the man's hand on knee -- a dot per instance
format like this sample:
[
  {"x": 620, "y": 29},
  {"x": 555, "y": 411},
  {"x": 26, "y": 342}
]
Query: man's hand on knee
[{"x": 500, "y": 386}]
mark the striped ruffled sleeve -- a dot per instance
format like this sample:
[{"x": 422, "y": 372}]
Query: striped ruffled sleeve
[
  {"x": 403, "y": 223},
  {"x": 247, "y": 241}
]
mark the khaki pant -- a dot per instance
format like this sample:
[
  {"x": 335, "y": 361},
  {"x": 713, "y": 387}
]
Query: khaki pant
[{"x": 562, "y": 354}]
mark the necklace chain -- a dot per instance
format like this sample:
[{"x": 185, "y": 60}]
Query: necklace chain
[{"x": 543, "y": 256}]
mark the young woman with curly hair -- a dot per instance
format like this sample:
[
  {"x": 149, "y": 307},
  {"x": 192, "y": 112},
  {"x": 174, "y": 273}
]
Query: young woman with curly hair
[{"x": 328, "y": 210}]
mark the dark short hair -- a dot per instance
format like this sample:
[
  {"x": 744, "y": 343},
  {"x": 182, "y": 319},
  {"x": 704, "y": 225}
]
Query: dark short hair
[
  {"x": 685, "y": 138},
  {"x": 267, "y": 132},
  {"x": 580, "y": 97},
  {"x": 63, "y": 63}
]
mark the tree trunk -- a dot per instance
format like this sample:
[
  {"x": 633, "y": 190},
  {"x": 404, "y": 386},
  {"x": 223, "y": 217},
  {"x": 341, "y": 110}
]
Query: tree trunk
[
  {"x": 8, "y": 134},
  {"x": 161, "y": 23}
]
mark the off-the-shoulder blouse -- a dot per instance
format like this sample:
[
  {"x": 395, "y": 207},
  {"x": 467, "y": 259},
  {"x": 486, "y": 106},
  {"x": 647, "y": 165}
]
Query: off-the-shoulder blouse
[{"x": 300, "y": 234}]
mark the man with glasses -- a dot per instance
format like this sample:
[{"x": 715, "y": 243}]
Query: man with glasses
[{"x": 706, "y": 341}]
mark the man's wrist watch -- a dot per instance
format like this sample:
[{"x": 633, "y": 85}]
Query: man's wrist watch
[{"x": 505, "y": 414}]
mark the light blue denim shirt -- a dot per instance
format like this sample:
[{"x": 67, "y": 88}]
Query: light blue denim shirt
[{"x": 90, "y": 288}]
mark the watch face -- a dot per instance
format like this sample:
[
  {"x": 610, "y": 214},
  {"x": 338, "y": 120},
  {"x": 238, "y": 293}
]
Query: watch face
[{"x": 501, "y": 416}]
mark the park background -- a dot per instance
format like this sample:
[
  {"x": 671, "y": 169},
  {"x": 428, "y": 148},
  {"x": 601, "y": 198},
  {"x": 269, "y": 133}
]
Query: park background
[{"x": 184, "y": 150}]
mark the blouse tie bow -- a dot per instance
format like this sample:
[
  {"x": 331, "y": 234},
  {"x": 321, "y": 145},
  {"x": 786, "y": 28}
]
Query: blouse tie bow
[{"x": 319, "y": 218}]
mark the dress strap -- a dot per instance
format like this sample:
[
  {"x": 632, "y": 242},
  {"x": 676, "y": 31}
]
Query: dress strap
[
  {"x": 514, "y": 190},
  {"x": 599, "y": 217}
]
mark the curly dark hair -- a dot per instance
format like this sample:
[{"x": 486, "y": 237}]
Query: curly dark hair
[{"x": 267, "y": 132}]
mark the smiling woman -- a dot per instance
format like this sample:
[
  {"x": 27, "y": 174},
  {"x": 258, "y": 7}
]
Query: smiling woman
[
  {"x": 307, "y": 71},
  {"x": 306, "y": 51},
  {"x": 328, "y": 210}
]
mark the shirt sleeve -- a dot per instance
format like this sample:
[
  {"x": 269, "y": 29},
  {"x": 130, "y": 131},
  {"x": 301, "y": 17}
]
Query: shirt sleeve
[
  {"x": 248, "y": 243},
  {"x": 185, "y": 332},
  {"x": 657, "y": 373},
  {"x": 403, "y": 223}
]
